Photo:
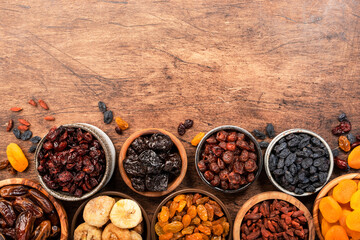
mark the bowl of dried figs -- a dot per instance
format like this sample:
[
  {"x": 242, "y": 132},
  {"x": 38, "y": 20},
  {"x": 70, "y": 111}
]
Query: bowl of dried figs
[
  {"x": 110, "y": 215},
  {"x": 273, "y": 215},
  {"x": 152, "y": 162},
  {"x": 228, "y": 159},
  {"x": 74, "y": 161},
  {"x": 191, "y": 214},
  {"x": 29, "y": 212}
]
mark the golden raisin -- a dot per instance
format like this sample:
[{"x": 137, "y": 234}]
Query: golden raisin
[
  {"x": 344, "y": 143},
  {"x": 173, "y": 206},
  {"x": 202, "y": 200},
  {"x": 158, "y": 229},
  {"x": 196, "y": 221},
  {"x": 177, "y": 235},
  {"x": 123, "y": 125},
  {"x": 218, "y": 229},
  {"x": 180, "y": 197},
  {"x": 196, "y": 197},
  {"x": 210, "y": 211},
  {"x": 207, "y": 224},
  {"x": 162, "y": 224},
  {"x": 219, "y": 221},
  {"x": 164, "y": 214},
  {"x": 192, "y": 211},
  {"x": 181, "y": 206},
  {"x": 176, "y": 218},
  {"x": 204, "y": 237},
  {"x": 201, "y": 210},
  {"x": 186, "y": 220},
  {"x": 205, "y": 230},
  {"x": 189, "y": 199},
  {"x": 194, "y": 236},
  {"x": 166, "y": 236},
  {"x": 173, "y": 227},
  {"x": 226, "y": 227},
  {"x": 188, "y": 230}
]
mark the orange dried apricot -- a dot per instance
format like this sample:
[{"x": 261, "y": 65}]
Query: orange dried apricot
[
  {"x": 195, "y": 141},
  {"x": 330, "y": 209},
  {"x": 355, "y": 200},
  {"x": 325, "y": 226},
  {"x": 201, "y": 210},
  {"x": 173, "y": 227},
  {"x": 123, "y": 125},
  {"x": 344, "y": 190},
  {"x": 336, "y": 232},
  {"x": 354, "y": 158},
  {"x": 166, "y": 236},
  {"x": 353, "y": 220},
  {"x": 16, "y": 157},
  {"x": 164, "y": 214}
]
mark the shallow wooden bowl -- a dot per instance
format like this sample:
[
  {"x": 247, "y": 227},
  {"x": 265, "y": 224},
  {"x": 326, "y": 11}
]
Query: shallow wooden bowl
[
  {"x": 323, "y": 193},
  {"x": 172, "y": 185},
  {"x": 78, "y": 216},
  {"x": 268, "y": 196},
  {"x": 59, "y": 208},
  {"x": 184, "y": 191}
]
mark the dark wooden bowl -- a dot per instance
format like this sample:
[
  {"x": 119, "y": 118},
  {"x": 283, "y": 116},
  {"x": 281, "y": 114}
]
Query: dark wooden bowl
[
  {"x": 200, "y": 149},
  {"x": 172, "y": 185},
  {"x": 78, "y": 219},
  {"x": 323, "y": 193},
  {"x": 190, "y": 190},
  {"x": 268, "y": 196},
  {"x": 59, "y": 208}
]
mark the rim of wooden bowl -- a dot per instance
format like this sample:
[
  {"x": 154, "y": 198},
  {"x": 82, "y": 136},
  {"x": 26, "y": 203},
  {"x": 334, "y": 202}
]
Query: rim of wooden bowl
[
  {"x": 260, "y": 161},
  {"x": 190, "y": 190},
  {"x": 109, "y": 168},
  {"x": 323, "y": 193},
  {"x": 270, "y": 148},
  {"x": 59, "y": 208},
  {"x": 268, "y": 196},
  {"x": 115, "y": 194},
  {"x": 174, "y": 184}
]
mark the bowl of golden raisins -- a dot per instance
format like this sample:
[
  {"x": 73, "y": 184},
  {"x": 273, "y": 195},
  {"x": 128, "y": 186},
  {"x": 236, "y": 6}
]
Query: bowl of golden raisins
[{"x": 192, "y": 214}]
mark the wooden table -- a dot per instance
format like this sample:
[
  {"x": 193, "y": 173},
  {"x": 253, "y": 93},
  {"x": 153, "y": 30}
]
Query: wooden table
[{"x": 156, "y": 63}]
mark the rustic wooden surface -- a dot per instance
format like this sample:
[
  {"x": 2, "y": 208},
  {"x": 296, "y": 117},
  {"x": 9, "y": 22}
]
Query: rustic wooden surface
[{"x": 155, "y": 63}]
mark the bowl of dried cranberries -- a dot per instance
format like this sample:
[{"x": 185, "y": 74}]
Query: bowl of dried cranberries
[
  {"x": 228, "y": 159},
  {"x": 75, "y": 161},
  {"x": 152, "y": 162}
]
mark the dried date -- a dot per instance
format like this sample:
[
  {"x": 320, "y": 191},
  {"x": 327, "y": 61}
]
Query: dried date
[{"x": 24, "y": 225}]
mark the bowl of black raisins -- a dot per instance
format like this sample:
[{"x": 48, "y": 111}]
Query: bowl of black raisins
[
  {"x": 298, "y": 162},
  {"x": 152, "y": 162},
  {"x": 228, "y": 159}
]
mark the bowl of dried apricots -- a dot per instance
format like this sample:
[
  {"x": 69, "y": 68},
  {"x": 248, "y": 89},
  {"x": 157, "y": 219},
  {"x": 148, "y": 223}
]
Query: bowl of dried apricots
[
  {"x": 336, "y": 209},
  {"x": 192, "y": 214}
]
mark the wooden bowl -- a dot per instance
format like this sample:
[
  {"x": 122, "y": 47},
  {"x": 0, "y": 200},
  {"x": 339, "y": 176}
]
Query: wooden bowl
[
  {"x": 268, "y": 196},
  {"x": 323, "y": 193},
  {"x": 172, "y": 185},
  {"x": 78, "y": 216},
  {"x": 184, "y": 191},
  {"x": 59, "y": 208},
  {"x": 200, "y": 149}
]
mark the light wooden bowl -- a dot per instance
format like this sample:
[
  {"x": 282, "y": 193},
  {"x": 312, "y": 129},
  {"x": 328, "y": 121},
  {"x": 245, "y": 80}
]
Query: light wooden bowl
[
  {"x": 184, "y": 191},
  {"x": 268, "y": 196},
  {"x": 59, "y": 208},
  {"x": 78, "y": 216},
  {"x": 323, "y": 193},
  {"x": 172, "y": 185}
]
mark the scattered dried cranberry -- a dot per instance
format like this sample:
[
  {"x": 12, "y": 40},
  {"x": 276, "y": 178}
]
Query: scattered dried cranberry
[
  {"x": 341, "y": 164},
  {"x": 343, "y": 127},
  {"x": 118, "y": 130}
]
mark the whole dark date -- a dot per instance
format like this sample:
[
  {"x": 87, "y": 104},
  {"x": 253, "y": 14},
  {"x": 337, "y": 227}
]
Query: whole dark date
[
  {"x": 7, "y": 212},
  {"x": 42, "y": 231},
  {"x": 13, "y": 191},
  {"x": 24, "y": 225},
  {"x": 24, "y": 204},
  {"x": 41, "y": 200}
]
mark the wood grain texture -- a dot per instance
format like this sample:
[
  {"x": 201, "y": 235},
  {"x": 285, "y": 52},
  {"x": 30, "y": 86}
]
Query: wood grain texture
[
  {"x": 156, "y": 63},
  {"x": 323, "y": 193},
  {"x": 270, "y": 196}
]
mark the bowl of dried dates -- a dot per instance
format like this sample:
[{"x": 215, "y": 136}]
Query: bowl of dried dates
[
  {"x": 29, "y": 212},
  {"x": 298, "y": 162},
  {"x": 191, "y": 214},
  {"x": 75, "y": 161},
  {"x": 110, "y": 215},
  {"x": 273, "y": 215},
  {"x": 152, "y": 162},
  {"x": 228, "y": 159}
]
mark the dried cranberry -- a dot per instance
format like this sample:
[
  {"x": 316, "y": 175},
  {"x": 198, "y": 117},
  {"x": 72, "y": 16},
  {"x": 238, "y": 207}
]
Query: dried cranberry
[
  {"x": 228, "y": 157},
  {"x": 221, "y": 136},
  {"x": 224, "y": 185},
  {"x": 341, "y": 164},
  {"x": 232, "y": 137},
  {"x": 48, "y": 145},
  {"x": 65, "y": 176},
  {"x": 221, "y": 164},
  {"x": 209, "y": 175},
  {"x": 214, "y": 167},
  {"x": 242, "y": 144},
  {"x": 234, "y": 178},
  {"x": 224, "y": 174},
  {"x": 239, "y": 167},
  {"x": 250, "y": 165},
  {"x": 343, "y": 127},
  {"x": 244, "y": 156},
  {"x": 217, "y": 151},
  {"x": 211, "y": 140},
  {"x": 216, "y": 181},
  {"x": 202, "y": 166},
  {"x": 230, "y": 146}
]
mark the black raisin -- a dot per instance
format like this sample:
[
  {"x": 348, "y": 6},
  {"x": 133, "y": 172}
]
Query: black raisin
[
  {"x": 157, "y": 183},
  {"x": 322, "y": 177},
  {"x": 270, "y": 131},
  {"x": 342, "y": 117},
  {"x": 281, "y": 163},
  {"x": 314, "y": 178},
  {"x": 306, "y": 163},
  {"x": 294, "y": 142},
  {"x": 299, "y": 191},
  {"x": 279, "y": 172},
  {"x": 351, "y": 138},
  {"x": 35, "y": 139},
  {"x": 151, "y": 161},
  {"x": 280, "y": 147},
  {"x": 293, "y": 169},
  {"x": 303, "y": 143},
  {"x": 17, "y": 133},
  {"x": 188, "y": 123},
  {"x": 312, "y": 170},
  {"x": 181, "y": 129},
  {"x": 310, "y": 188},
  {"x": 32, "y": 149},
  {"x": 102, "y": 106},
  {"x": 290, "y": 159},
  {"x": 138, "y": 184},
  {"x": 264, "y": 144},
  {"x": 118, "y": 130},
  {"x": 26, "y": 135},
  {"x": 258, "y": 134},
  {"x": 315, "y": 141},
  {"x": 159, "y": 141},
  {"x": 288, "y": 177},
  {"x": 284, "y": 153},
  {"x": 108, "y": 117}
]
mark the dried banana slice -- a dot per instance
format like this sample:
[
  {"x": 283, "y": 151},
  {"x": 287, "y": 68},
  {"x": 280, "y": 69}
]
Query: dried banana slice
[
  {"x": 135, "y": 236},
  {"x": 86, "y": 232},
  {"x": 111, "y": 232},
  {"x": 97, "y": 210},
  {"x": 126, "y": 214}
]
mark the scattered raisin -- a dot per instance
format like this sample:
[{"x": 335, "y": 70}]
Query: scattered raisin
[
  {"x": 35, "y": 139},
  {"x": 26, "y": 135},
  {"x": 188, "y": 123},
  {"x": 108, "y": 117},
  {"x": 118, "y": 130},
  {"x": 17, "y": 133},
  {"x": 102, "y": 106},
  {"x": 181, "y": 129},
  {"x": 258, "y": 134}
]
